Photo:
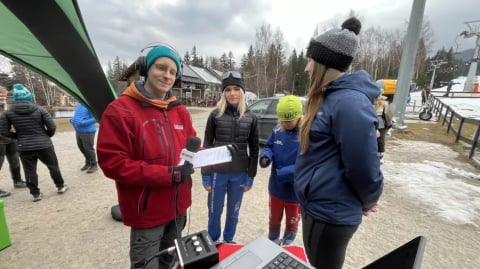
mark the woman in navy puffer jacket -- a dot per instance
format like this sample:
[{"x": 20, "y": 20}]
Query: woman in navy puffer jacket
[{"x": 337, "y": 174}]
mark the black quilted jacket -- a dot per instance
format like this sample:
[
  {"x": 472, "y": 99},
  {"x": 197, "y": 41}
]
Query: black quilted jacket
[
  {"x": 32, "y": 125},
  {"x": 229, "y": 129}
]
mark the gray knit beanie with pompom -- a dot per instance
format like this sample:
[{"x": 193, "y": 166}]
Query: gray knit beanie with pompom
[{"x": 336, "y": 48}]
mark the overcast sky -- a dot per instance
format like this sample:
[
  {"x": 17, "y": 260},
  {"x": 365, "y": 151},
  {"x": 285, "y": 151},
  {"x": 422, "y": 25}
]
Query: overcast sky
[{"x": 123, "y": 27}]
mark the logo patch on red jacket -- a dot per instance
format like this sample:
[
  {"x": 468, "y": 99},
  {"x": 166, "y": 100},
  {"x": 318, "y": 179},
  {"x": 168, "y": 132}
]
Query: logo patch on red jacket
[{"x": 178, "y": 127}]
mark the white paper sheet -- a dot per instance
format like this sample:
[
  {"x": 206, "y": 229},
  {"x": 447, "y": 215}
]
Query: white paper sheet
[{"x": 212, "y": 156}]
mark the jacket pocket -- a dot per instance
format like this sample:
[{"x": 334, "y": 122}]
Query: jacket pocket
[{"x": 143, "y": 200}]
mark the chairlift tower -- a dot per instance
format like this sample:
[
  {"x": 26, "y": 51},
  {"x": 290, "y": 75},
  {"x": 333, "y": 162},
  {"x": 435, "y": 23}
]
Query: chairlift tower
[
  {"x": 473, "y": 30},
  {"x": 434, "y": 65}
]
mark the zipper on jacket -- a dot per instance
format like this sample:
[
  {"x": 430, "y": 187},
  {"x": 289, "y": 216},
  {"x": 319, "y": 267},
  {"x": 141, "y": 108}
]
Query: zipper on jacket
[
  {"x": 169, "y": 132},
  {"x": 162, "y": 142}
]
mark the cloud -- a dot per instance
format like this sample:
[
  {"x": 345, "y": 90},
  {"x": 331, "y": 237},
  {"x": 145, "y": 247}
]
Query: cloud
[
  {"x": 448, "y": 21},
  {"x": 122, "y": 28}
]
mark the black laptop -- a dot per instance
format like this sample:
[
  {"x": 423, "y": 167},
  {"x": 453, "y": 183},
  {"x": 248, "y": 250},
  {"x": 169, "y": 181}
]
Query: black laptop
[{"x": 407, "y": 256}]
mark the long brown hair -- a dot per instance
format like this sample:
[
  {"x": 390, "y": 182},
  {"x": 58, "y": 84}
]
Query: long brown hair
[{"x": 321, "y": 77}]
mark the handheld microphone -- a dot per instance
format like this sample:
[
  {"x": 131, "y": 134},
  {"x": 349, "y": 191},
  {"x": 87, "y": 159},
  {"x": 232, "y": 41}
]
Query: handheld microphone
[
  {"x": 193, "y": 145},
  {"x": 181, "y": 173}
]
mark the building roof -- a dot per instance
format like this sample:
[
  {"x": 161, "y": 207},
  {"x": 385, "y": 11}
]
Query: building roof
[
  {"x": 217, "y": 73},
  {"x": 188, "y": 75},
  {"x": 191, "y": 74},
  {"x": 206, "y": 75},
  {"x": 188, "y": 71}
]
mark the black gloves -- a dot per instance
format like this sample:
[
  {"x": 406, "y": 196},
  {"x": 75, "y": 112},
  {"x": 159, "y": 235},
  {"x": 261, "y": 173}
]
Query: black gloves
[
  {"x": 232, "y": 148},
  {"x": 182, "y": 172}
]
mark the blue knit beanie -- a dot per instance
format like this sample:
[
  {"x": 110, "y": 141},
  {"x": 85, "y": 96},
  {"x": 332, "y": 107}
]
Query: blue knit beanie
[
  {"x": 21, "y": 93},
  {"x": 164, "y": 51}
]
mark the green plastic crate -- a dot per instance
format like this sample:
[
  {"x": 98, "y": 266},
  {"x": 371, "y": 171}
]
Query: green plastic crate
[{"x": 4, "y": 235}]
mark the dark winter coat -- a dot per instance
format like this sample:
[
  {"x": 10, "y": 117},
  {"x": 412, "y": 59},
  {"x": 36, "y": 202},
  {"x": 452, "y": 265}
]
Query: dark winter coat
[
  {"x": 33, "y": 125},
  {"x": 339, "y": 175},
  {"x": 230, "y": 129}
]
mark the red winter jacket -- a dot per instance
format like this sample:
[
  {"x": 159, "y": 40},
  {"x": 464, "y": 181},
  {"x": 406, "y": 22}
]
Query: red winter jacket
[{"x": 138, "y": 145}]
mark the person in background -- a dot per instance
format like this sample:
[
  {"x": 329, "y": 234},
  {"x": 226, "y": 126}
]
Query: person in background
[
  {"x": 33, "y": 128},
  {"x": 425, "y": 94},
  {"x": 8, "y": 148},
  {"x": 281, "y": 151},
  {"x": 140, "y": 138},
  {"x": 449, "y": 87},
  {"x": 230, "y": 123},
  {"x": 84, "y": 124},
  {"x": 384, "y": 123},
  {"x": 337, "y": 173}
]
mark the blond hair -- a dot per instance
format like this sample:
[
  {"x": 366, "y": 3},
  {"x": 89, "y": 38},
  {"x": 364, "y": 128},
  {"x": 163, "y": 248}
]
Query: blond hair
[
  {"x": 321, "y": 77},
  {"x": 222, "y": 104},
  {"x": 380, "y": 102}
]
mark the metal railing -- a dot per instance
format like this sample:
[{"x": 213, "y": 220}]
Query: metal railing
[{"x": 450, "y": 117}]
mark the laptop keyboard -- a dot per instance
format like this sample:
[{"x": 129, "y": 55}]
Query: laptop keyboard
[{"x": 284, "y": 261}]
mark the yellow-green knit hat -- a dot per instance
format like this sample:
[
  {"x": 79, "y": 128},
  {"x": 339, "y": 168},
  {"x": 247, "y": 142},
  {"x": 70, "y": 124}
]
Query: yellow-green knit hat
[{"x": 289, "y": 108}]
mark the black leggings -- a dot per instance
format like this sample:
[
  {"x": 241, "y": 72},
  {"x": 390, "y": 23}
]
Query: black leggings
[
  {"x": 381, "y": 140},
  {"x": 326, "y": 244}
]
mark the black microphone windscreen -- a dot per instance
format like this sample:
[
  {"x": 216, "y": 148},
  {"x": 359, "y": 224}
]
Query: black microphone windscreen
[{"x": 193, "y": 144}]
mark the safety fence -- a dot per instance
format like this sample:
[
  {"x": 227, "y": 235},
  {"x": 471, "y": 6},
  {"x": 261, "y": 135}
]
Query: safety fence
[{"x": 456, "y": 123}]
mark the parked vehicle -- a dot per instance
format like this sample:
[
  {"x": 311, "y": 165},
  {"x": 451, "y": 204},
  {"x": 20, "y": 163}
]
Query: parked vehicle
[
  {"x": 390, "y": 85},
  {"x": 266, "y": 111}
]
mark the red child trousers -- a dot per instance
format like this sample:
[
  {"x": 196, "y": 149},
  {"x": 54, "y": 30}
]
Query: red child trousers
[{"x": 292, "y": 217}]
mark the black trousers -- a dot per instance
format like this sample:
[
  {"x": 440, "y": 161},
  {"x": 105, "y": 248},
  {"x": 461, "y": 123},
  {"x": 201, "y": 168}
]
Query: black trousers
[
  {"x": 85, "y": 143},
  {"x": 326, "y": 244},
  {"x": 144, "y": 243},
  {"x": 10, "y": 150},
  {"x": 48, "y": 157},
  {"x": 381, "y": 140}
]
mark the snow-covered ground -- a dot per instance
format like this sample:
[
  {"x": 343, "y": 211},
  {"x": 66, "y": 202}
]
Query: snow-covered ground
[
  {"x": 442, "y": 186},
  {"x": 437, "y": 183},
  {"x": 467, "y": 107}
]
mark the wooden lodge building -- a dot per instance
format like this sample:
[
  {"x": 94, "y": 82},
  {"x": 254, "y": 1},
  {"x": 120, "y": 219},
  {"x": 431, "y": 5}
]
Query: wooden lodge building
[{"x": 197, "y": 85}]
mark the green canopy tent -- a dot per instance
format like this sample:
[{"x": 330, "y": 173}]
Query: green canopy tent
[{"x": 50, "y": 38}]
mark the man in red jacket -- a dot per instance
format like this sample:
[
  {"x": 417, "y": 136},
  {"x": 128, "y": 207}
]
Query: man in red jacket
[{"x": 140, "y": 138}]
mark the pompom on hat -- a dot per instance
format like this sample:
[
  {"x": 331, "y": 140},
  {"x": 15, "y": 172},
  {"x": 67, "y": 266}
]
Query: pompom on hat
[
  {"x": 163, "y": 51},
  {"x": 336, "y": 48},
  {"x": 289, "y": 108},
  {"x": 21, "y": 93}
]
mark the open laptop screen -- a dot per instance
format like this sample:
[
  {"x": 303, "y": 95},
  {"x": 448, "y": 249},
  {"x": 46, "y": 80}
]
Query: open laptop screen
[{"x": 407, "y": 256}]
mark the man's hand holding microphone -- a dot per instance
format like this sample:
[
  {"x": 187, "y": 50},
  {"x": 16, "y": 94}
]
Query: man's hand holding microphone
[{"x": 182, "y": 172}]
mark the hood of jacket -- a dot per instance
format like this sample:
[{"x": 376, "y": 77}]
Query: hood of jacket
[{"x": 358, "y": 81}]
